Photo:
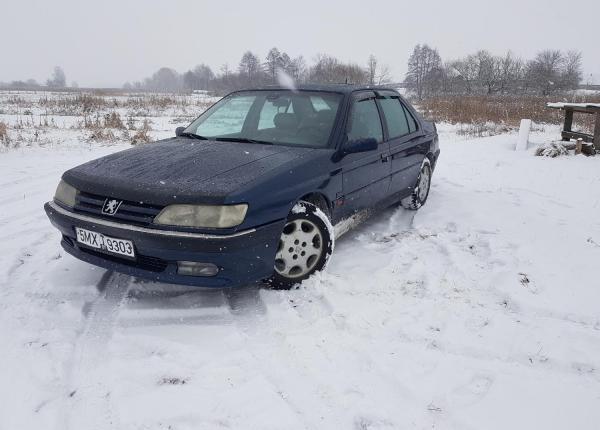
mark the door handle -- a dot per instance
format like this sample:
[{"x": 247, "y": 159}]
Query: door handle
[{"x": 385, "y": 158}]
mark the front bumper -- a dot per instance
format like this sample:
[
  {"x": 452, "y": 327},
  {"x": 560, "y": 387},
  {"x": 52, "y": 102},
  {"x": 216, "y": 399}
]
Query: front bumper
[{"x": 243, "y": 257}]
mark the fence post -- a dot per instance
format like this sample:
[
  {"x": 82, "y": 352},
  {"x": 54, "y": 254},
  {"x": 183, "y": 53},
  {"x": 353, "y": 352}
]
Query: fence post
[{"x": 524, "y": 130}]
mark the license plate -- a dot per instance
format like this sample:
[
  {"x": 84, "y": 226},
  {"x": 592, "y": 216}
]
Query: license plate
[{"x": 105, "y": 243}]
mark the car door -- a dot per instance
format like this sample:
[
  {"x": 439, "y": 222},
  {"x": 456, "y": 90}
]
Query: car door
[
  {"x": 407, "y": 144},
  {"x": 365, "y": 175}
]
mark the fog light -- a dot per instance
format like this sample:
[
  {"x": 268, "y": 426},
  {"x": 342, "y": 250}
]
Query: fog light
[{"x": 193, "y": 268}]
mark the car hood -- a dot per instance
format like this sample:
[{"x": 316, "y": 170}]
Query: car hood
[{"x": 180, "y": 170}]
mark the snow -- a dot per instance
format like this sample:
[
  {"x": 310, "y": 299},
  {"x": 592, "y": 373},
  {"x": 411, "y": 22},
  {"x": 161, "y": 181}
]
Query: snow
[
  {"x": 480, "y": 310},
  {"x": 524, "y": 131},
  {"x": 560, "y": 105}
]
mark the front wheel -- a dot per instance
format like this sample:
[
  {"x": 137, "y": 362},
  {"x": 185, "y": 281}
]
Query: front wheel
[
  {"x": 305, "y": 245},
  {"x": 420, "y": 191}
]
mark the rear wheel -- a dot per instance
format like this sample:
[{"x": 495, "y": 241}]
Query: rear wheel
[
  {"x": 305, "y": 245},
  {"x": 421, "y": 189}
]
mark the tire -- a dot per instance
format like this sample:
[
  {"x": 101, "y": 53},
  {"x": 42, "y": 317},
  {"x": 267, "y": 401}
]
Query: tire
[
  {"x": 421, "y": 189},
  {"x": 306, "y": 243}
]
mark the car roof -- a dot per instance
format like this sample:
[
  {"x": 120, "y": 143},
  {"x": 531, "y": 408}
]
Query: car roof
[{"x": 337, "y": 88}]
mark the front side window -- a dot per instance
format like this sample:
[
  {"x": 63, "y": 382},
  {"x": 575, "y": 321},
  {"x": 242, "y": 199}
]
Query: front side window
[
  {"x": 364, "y": 121},
  {"x": 300, "y": 118}
]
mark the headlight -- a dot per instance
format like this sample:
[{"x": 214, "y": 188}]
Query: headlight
[
  {"x": 65, "y": 194},
  {"x": 202, "y": 216}
]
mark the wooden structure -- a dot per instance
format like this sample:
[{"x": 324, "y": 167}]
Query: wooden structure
[{"x": 586, "y": 108}]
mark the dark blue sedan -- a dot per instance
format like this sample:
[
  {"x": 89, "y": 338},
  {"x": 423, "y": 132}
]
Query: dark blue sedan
[{"x": 251, "y": 189}]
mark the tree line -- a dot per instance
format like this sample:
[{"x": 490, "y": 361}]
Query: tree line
[
  {"x": 58, "y": 79},
  {"x": 481, "y": 73},
  {"x": 252, "y": 71},
  {"x": 549, "y": 72}
]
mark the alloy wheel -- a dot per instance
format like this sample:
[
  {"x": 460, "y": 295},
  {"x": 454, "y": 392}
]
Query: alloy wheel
[{"x": 300, "y": 248}]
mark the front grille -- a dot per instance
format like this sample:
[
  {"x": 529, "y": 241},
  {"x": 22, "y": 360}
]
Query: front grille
[
  {"x": 130, "y": 212},
  {"x": 152, "y": 264}
]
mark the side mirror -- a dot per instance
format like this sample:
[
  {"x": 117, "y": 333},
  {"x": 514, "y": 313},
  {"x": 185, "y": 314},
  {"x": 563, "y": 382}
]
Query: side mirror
[
  {"x": 179, "y": 131},
  {"x": 360, "y": 145}
]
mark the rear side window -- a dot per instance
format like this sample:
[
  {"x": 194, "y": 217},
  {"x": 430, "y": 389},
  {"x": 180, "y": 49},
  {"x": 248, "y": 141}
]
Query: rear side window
[
  {"x": 364, "y": 121},
  {"x": 412, "y": 122},
  {"x": 395, "y": 117}
]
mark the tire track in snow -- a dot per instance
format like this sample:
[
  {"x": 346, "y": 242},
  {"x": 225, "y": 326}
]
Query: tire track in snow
[
  {"x": 251, "y": 316},
  {"x": 88, "y": 402}
]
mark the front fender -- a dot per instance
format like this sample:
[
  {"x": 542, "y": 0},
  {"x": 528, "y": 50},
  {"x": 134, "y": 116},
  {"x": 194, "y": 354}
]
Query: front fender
[{"x": 272, "y": 197}]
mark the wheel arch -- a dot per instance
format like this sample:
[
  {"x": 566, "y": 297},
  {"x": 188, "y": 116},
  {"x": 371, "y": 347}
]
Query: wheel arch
[
  {"x": 319, "y": 200},
  {"x": 432, "y": 159}
]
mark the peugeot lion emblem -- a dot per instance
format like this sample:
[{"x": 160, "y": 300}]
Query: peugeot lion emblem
[{"x": 111, "y": 206}]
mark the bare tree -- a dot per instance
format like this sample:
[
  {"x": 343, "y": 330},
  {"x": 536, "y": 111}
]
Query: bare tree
[
  {"x": 249, "y": 68},
  {"x": 511, "y": 73},
  {"x": 543, "y": 72},
  {"x": 297, "y": 69},
  {"x": 330, "y": 70},
  {"x": 190, "y": 81},
  {"x": 204, "y": 75},
  {"x": 424, "y": 70},
  {"x": 325, "y": 70},
  {"x": 489, "y": 71},
  {"x": 572, "y": 74},
  {"x": 273, "y": 62},
  {"x": 384, "y": 75},
  {"x": 467, "y": 72},
  {"x": 58, "y": 79},
  {"x": 225, "y": 72},
  {"x": 164, "y": 79},
  {"x": 377, "y": 74}
]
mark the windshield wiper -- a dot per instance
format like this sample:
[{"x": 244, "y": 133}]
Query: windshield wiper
[
  {"x": 192, "y": 135},
  {"x": 243, "y": 140}
]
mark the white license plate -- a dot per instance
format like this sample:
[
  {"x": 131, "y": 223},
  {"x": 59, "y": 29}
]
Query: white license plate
[{"x": 105, "y": 243}]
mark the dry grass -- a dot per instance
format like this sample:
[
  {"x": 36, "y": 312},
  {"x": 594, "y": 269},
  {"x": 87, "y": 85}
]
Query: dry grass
[
  {"x": 506, "y": 111},
  {"x": 4, "y": 133},
  {"x": 80, "y": 104},
  {"x": 35, "y": 117}
]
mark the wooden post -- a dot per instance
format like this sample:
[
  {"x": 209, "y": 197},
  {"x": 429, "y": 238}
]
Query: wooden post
[
  {"x": 568, "y": 121},
  {"x": 597, "y": 132}
]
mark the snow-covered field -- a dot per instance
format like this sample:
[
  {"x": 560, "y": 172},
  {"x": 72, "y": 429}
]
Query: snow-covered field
[{"x": 480, "y": 311}]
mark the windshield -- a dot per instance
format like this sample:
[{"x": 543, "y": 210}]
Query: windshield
[{"x": 282, "y": 117}]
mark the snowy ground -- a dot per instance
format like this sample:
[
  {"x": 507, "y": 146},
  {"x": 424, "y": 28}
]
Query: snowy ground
[{"x": 481, "y": 311}]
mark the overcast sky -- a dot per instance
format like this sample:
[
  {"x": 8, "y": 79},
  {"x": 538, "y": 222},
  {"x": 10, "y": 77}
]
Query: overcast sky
[{"x": 108, "y": 42}]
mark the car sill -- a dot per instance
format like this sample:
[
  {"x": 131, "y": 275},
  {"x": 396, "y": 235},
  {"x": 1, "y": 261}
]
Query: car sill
[{"x": 130, "y": 227}]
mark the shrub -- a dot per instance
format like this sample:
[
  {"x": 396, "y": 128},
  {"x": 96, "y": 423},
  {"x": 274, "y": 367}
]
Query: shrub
[
  {"x": 113, "y": 120},
  {"x": 102, "y": 135},
  {"x": 142, "y": 135},
  {"x": 552, "y": 149}
]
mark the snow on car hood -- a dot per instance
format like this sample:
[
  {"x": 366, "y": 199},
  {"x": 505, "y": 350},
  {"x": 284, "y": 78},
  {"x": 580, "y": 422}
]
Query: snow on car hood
[{"x": 180, "y": 170}]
